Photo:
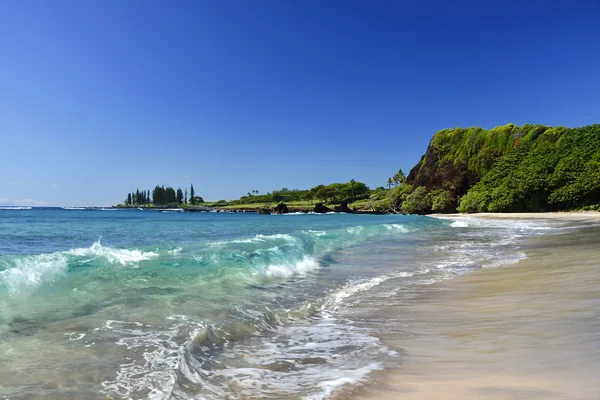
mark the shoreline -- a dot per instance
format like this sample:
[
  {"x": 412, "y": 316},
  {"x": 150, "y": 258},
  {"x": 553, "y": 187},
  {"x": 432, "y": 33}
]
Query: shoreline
[
  {"x": 517, "y": 331},
  {"x": 555, "y": 215}
]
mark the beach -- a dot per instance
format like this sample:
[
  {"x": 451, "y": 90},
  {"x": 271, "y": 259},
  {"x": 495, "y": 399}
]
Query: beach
[
  {"x": 134, "y": 304},
  {"x": 525, "y": 330}
]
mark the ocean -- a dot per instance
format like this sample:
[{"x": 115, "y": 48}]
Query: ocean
[{"x": 136, "y": 304}]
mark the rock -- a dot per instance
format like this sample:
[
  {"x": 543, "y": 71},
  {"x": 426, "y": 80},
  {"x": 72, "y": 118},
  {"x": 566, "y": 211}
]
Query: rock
[
  {"x": 321, "y": 209},
  {"x": 281, "y": 208},
  {"x": 264, "y": 211},
  {"x": 342, "y": 208}
]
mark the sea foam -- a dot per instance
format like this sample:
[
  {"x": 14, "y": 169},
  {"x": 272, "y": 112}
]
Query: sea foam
[
  {"x": 23, "y": 275},
  {"x": 112, "y": 255}
]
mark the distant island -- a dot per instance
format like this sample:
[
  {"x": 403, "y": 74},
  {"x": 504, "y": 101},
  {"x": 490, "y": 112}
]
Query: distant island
[{"x": 511, "y": 168}]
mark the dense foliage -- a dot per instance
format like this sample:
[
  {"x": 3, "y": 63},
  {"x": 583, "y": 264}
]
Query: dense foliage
[
  {"x": 508, "y": 168},
  {"x": 558, "y": 170},
  {"x": 334, "y": 193}
]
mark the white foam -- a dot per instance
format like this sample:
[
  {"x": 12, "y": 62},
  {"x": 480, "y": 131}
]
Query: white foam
[
  {"x": 507, "y": 260},
  {"x": 257, "y": 238},
  {"x": 24, "y": 275},
  {"x": 15, "y": 208},
  {"x": 396, "y": 228},
  {"x": 112, "y": 255},
  {"x": 162, "y": 356},
  {"x": 355, "y": 230},
  {"x": 175, "y": 251},
  {"x": 336, "y": 298},
  {"x": 459, "y": 224},
  {"x": 341, "y": 347},
  {"x": 350, "y": 377},
  {"x": 301, "y": 267}
]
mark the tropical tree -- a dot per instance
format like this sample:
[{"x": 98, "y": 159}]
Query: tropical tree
[
  {"x": 389, "y": 183},
  {"x": 192, "y": 193},
  {"x": 399, "y": 178}
]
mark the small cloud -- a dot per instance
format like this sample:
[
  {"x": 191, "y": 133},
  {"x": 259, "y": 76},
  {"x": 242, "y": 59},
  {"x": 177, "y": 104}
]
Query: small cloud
[
  {"x": 55, "y": 185},
  {"x": 14, "y": 183},
  {"x": 22, "y": 202}
]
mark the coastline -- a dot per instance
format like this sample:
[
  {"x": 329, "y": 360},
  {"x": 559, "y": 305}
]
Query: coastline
[
  {"x": 556, "y": 215},
  {"x": 524, "y": 330}
]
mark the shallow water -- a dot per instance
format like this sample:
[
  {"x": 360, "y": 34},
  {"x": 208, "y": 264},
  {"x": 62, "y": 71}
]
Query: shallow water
[{"x": 141, "y": 304}]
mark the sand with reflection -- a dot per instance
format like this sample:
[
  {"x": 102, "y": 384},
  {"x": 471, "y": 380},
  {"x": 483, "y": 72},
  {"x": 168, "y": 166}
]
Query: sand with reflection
[{"x": 530, "y": 330}]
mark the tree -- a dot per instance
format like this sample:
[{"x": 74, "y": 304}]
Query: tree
[
  {"x": 352, "y": 182},
  {"x": 128, "y": 201},
  {"x": 170, "y": 196},
  {"x": 185, "y": 198},
  {"x": 179, "y": 196},
  {"x": 399, "y": 178},
  {"x": 418, "y": 202},
  {"x": 192, "y": 193},
  {"x": 389, "y": 182}
]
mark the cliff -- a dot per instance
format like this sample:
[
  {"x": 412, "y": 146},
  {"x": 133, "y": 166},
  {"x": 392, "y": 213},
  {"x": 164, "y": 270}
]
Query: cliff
[{"x": 510, "y": 168}]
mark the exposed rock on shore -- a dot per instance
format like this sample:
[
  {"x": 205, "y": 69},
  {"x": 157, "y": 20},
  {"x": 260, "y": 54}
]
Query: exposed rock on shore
[{"x": 321, "y": 209}]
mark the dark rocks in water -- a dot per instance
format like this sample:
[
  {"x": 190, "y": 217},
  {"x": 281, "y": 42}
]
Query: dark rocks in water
[
  {"x": 281, "y": 366},
  {"x": 281, "y": 208},
  {"x": 342, "y": 208},
  {"x": 312, "y": 360},
  {"x": 321, "y": 209},
  {"x": 264, "y": 211},
  {"x": 23, "y": 326}
]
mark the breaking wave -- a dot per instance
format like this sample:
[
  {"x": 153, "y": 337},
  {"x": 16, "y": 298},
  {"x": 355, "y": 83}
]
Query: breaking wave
[{"x": 22, "y": 275}]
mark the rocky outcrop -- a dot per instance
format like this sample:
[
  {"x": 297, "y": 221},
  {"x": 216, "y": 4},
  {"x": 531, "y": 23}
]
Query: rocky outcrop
[
  {"x": 435, "y": 173},
  {"x": 281, "y": 208},
  {"x": 321, "y": 209},
  {"x": 342, "y": 208}
]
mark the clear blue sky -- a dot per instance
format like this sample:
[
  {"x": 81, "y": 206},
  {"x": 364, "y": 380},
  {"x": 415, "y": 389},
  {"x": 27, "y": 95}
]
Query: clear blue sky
[{"x": 101, "y": 97}]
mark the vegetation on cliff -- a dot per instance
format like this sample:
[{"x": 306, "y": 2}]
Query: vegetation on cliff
[{"x": 506, "y": 169}]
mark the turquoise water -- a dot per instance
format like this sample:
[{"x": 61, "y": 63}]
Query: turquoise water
[{"x": 140, "y": 304}]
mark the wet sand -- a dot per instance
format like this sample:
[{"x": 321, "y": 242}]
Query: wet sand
[
  {"x": 529, "y": 330},
  {"x": 563, "y": 215}
]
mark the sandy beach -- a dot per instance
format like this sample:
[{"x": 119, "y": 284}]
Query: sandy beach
[
  {"x": 562, "y": 215},
  {"x": 528, "y": 330}
]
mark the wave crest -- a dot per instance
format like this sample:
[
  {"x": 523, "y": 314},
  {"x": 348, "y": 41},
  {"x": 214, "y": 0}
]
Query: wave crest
[{"x": 112, "y": 255}]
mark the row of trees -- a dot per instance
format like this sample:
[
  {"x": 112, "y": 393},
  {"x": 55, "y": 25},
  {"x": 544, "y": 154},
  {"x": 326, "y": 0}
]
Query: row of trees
[
  {"x": 138, "y": 197},
  {"x": 334, "y": 193},
  {"x": 162, "y": 196}
]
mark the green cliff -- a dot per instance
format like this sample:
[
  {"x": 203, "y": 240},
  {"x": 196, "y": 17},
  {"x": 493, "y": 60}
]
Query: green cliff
[{"x": 506, "y": 169}]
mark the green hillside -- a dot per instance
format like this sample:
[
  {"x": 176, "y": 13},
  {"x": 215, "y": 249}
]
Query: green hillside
[{"x": 506, "y": 169}]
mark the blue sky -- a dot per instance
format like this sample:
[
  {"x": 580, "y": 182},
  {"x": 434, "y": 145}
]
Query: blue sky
[{"x": 100, "y": 98}]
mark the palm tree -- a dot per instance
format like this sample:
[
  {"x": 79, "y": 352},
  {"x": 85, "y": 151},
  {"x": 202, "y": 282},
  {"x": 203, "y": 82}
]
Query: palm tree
[
  {"x": 352, "y": 182},
  {"x": 389, "y": 182},
  {"x": 399, "y": 177}
]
